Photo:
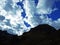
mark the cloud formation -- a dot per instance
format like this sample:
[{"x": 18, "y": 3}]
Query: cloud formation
[{"x": 15, "y": 24}]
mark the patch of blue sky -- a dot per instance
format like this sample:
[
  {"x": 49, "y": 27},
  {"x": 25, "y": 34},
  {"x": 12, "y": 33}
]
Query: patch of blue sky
[
  {"x": 26, "y": 23},
  {"x": 57, "y": 4},
  {"x": 55, "y": 14},
  {"x": 23, "y": 14},
  {"x": 20, "y": 4},
  {"x": 36, "y": 2}
]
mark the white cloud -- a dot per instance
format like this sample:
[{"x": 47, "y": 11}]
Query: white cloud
[{"x": 34, "y": 16}]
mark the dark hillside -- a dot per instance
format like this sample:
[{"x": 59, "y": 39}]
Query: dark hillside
[{"x": 40, "y": 35}]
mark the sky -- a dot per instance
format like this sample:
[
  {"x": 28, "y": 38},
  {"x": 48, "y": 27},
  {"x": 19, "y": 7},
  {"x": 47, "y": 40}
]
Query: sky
[
  {"x": 56, "y": 14},
  {"x": 19, "y": 16}
]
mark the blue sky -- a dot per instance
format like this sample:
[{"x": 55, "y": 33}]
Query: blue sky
[
  {"x": 56, "y": 14},
  {"x": 32, "y": 22}
]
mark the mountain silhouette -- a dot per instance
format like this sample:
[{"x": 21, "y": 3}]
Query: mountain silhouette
[{"x": 40, "y": 35}]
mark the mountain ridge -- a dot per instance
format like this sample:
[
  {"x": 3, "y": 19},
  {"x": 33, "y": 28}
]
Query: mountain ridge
[{"x": 40, "y": 35}]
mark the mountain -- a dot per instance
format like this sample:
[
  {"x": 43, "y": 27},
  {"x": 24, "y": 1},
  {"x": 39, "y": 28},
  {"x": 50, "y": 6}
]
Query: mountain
[{"x": 40, "y": 35}]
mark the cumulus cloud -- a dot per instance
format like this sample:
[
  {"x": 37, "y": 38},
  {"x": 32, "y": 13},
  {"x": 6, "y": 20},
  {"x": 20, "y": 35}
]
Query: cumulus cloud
[
  {"x": 35, "y": 15},
  {"x": 13, "y": 22}
]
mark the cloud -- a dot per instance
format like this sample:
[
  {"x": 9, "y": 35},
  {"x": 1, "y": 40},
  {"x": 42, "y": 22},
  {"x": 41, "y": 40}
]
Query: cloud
[{"x": 15, "y": 24}]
